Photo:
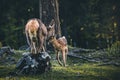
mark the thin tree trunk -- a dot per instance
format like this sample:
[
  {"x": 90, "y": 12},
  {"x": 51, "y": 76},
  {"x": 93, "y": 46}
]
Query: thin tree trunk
[
  {"x": 49, "y": 9},
  {"x": 56, "y": 11}
]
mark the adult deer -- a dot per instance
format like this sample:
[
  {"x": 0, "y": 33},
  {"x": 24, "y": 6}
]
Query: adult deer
[{"x": 36, "y": 34}]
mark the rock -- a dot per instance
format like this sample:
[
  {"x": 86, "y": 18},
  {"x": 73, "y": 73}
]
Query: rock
[
  {"x": 33, "y": 64},
  {"x": 6, "y": 51},
  {"x": 6, "y": 55}
]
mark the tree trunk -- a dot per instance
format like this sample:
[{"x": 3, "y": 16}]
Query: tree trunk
[{"x": 48, "y": 10}]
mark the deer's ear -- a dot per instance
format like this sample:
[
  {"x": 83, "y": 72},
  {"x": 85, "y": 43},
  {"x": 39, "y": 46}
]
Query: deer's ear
[
  {"x": 52, "y": 26},
  {"x": 52, "y": 23},
  {"x": 49, "y": 28}
]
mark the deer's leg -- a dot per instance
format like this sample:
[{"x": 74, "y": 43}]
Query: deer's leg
[
  {"x": 31, "y": 47},
  {"x": 41, "y": 44},
  {"x": 64, "y": 57},
  {"x": 44, "y": 44},
  {"x": 58, "y": 58},
  {"x": 34, "y": 47},
  {"x": 27, "y": 37},
  {"x": 37, "y": 45},
  {"x": 66, "y": 52}
]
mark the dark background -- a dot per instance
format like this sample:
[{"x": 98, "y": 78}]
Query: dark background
[{"x": 85, "y": 23}]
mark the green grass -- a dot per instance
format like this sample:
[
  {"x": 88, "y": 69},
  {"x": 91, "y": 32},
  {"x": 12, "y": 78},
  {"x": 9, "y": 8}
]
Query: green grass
[{"x": 76, "y": 70}]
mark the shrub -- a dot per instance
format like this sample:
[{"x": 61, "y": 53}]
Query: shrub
[{"x": 114, "y": 50}]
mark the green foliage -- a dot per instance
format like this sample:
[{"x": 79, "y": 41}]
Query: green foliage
[
  {"x": 114, "y": 50},
  {"x": 89, "y": 22}
]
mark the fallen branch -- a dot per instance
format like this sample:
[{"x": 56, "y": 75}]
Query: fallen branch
[{"x": 71, "y": 54}]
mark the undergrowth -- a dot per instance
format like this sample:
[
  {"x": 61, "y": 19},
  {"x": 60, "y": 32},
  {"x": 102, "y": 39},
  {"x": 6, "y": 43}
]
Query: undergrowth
[{"x": 114, "y": 50}]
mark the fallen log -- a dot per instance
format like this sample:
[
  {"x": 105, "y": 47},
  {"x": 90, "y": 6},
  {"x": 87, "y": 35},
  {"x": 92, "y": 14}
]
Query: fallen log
[
  {"x": 103, "y": 61},
  {"x": 71, "y": 54}
]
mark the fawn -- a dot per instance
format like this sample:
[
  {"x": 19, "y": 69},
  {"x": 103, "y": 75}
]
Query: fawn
[{"x": 60, "y": 45}]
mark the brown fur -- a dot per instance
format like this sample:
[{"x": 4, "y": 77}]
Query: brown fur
[
  {"x": 51, "y": 29},
  {"x": 42, "y": 36},
  {"x": 36, "y": 34},
  {"x": 60, "y": 46}
]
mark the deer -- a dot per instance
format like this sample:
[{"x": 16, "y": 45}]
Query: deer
[
  {"x": 60, "y": 45},
  {"x": 36, "y": 34}
]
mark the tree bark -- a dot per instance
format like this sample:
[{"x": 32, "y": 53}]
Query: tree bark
[{"x": 48, "y": 10}]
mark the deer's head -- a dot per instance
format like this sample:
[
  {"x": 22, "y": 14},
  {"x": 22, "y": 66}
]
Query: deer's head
[{"x": 51, "y": 29}]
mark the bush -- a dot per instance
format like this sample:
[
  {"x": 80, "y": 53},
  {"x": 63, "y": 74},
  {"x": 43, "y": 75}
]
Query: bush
[{"x": 114, "y": 50}]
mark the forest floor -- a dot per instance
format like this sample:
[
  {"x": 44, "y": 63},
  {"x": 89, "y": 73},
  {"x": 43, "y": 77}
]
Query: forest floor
[{"x": 81, "y": 65}]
